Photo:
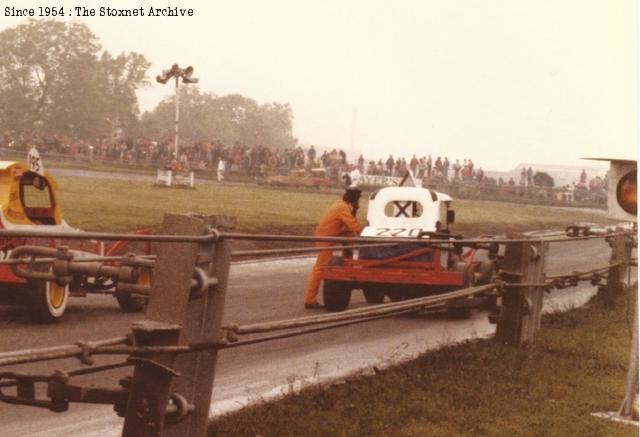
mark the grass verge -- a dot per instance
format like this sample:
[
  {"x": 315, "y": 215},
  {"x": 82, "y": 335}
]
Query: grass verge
[
  {"x": 478, "y": 388},
  {"x": 121, "y": 205}
]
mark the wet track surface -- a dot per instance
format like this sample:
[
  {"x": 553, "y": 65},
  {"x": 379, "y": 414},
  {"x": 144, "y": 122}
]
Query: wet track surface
[{"x": 259, "y": 291}]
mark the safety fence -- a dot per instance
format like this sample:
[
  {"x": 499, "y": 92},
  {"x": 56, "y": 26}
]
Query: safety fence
[{"x": 173, "y": 351}]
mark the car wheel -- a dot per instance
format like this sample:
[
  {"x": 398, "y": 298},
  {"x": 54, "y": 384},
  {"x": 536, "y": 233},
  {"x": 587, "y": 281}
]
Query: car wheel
[
  {"x": 131, "y": 303},
  {"x": 47, "y": 301},
  {"x": 456, "y": 308},
  {"x": 373, "y": 294},
  {"x": 336, "y": 295},
  {"x": 484, "y": 272}
]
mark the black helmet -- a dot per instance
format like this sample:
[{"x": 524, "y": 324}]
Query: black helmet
[{"x": 352, "y": 194}]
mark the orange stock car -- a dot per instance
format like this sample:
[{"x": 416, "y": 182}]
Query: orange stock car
[
  {"x": 28, "y": 202},
  {"x": 408, "y": 270}
]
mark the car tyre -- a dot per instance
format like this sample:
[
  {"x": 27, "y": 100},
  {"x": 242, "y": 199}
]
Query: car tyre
[
  {"x": 47, "y": 301},
  {"x": 131, "y": 303},
  {"x": 485, "y": 272},
  {"x": 455, "y": 309},
  {"x": 336, "y": 294},
  {"x": 373, "y": 294}
]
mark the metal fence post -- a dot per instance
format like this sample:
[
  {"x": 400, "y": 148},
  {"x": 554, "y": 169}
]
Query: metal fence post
[
  {"x": 521, "y": 310},
  {"x": 620, "y": 253},
  {"x": 174, "y": 316}
]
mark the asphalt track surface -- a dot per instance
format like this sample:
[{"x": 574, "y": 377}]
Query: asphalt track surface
[{"x": 260, "y": 291}]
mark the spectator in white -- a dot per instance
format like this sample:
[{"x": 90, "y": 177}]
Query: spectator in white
[
  {"x": 445, "y": 168},
  {"x": 353, "y": 178},
  {"x": 523, "y": 177},
  {"x": 221, "y": 169},
  {"x": 183, "y": 159},
  {"x": 529, "y": 177}
]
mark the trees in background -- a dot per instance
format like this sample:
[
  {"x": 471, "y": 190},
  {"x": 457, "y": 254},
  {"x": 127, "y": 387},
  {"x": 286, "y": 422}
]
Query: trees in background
[
  {"x": 56, "y": 79},
  {"x": 542, "y": 179},
  {"x": 230, "y": 118}
]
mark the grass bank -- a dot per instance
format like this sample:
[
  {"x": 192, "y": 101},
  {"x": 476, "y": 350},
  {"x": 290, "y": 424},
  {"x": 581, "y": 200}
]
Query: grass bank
[
  {"x": 478, "y": 388},
  {"x": 120, "y": 205}
]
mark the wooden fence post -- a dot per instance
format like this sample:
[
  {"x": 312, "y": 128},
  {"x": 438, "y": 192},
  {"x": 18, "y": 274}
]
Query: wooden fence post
[
  {"x": 620, "y": 253},
  {"x": 205, "y": 320},
  {"x": 628, "y": 408},
  {"x": 521, "y": 310},
  {"x": 175, "y": 317}
]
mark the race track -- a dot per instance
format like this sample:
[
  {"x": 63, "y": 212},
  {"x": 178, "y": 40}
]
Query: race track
[{"x": 260, "y": 291}]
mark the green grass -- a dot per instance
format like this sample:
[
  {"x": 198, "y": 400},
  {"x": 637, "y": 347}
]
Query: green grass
[
  {"x": 119, "y": 205},
  {"x": 101, "y": 167},
  {"x": 100, "y": 204},
  {"x": 477, "y": 388}
]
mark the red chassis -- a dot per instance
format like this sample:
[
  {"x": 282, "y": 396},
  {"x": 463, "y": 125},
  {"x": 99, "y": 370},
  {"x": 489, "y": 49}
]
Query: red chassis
[
  {"x": 414, "y": 273},
  {"x": 395, "y": 271}
]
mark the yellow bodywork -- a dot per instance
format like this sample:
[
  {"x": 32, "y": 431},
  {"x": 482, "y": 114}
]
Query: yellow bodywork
[{"x": 11, "y": 202}]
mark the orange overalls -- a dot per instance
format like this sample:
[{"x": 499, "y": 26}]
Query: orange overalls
[{"x": 337, "y": 221}]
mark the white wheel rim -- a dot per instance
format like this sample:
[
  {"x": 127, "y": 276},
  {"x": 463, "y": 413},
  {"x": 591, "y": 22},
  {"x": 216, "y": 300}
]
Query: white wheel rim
[{"x": 57, "y": 296}]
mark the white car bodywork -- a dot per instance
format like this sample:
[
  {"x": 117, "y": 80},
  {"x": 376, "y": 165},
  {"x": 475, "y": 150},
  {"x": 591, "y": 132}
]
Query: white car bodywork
[{"x": 406, "y": 212}]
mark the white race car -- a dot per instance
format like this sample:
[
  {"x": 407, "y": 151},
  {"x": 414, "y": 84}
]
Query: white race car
[{"x": 406, "y": 270}]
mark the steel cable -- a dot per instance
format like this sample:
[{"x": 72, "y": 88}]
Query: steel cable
[
  {"x": 358, "y": 312},
  {"x": 54, "y": 352},
  {"x": 107, "y": 236},
  {"x": 463, "y": 241},
  {"x": 111, "y": 346},
  {"x": 56, "y": 376}
]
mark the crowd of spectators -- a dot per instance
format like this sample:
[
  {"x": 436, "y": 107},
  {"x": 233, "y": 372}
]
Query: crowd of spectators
[
  {"x": 259, "y": 160},
  {"x": 145, "y": 152},
  {"x": 440, "y": 170}
]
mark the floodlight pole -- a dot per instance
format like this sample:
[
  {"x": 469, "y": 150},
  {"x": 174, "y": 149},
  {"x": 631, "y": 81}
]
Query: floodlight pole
[
  {"x": 177, "y": 117},
  {"x": 177, "y": 73}
]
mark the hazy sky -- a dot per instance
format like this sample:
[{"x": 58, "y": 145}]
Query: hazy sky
[{"x": 498, "y": 81}]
